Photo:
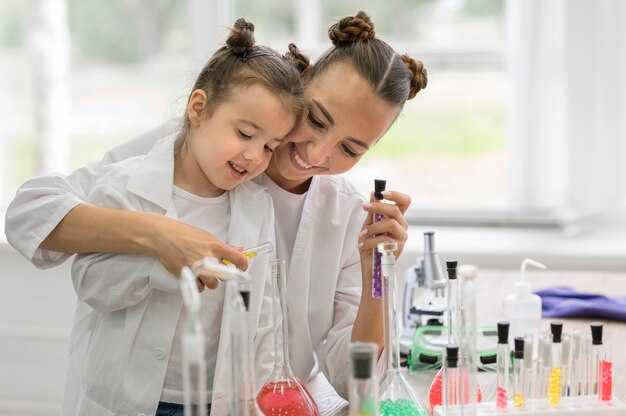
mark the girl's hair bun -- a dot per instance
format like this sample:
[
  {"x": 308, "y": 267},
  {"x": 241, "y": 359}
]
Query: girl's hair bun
[
  {"x": 352, "y": 29},
  {"x": 241, "y": 36},
  {"x": 297, "y": 59},
  {"x": 419, "y": 75}
]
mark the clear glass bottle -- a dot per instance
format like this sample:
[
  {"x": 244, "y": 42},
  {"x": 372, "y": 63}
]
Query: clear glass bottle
[
  {"x": 282, "y": 393},
  {"x": 502, "y": 366},
  {"x": 396, "y": 395},
  {"x": 363, "y": 393}
]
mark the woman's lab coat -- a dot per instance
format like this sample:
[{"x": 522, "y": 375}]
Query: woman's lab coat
[
  {"x": 324, "y": 285},
  {"x": 137, "y": 302}
]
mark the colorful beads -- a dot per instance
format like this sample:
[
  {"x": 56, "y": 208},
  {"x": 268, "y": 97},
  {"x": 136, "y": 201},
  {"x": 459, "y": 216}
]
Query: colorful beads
[{"x": 401, "y": 407}]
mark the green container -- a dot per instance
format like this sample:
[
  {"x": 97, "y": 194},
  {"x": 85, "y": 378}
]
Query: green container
[{"x": 429, "y": 342}]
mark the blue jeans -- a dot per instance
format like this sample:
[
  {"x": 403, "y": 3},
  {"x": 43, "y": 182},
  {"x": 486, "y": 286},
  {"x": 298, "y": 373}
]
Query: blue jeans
[{"x": 173, "y": 409}]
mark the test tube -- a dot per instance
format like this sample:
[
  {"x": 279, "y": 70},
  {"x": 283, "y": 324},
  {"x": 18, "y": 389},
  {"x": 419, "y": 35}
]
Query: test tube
[
  {"x": 519, "y": 395},
  {"x": 556, "y": 370},
  {"x": 528, "y": 372},
  {"x": 601, "y": 363},
  {"x": 451, "y": 378},
  {"x": 545, "y": 353},
  {"x": 252, "y": 252},
  {"x": 502, "y": 366},
  {"x": 377, "y": 290}
]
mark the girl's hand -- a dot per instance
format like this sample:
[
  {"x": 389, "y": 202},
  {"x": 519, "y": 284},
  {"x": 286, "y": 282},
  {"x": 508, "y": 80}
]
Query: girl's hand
[
  {"x": 393, "y": 226},
  {"x": 176, "y": 244}
]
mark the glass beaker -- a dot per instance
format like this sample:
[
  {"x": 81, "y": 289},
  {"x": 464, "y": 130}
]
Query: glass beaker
[
  {"x": 396, "y": 395},
  {"x": 282, "y": 393}
]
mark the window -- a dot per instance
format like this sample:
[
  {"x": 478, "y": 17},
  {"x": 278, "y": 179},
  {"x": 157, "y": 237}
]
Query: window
[{"x": 500, "y": 129}]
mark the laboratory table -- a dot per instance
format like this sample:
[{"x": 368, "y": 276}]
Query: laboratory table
[{"x": 493, "y": 286}]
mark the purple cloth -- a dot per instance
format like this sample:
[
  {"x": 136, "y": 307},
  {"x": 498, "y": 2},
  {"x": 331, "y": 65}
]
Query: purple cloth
[{"x": 565, "y": 302}]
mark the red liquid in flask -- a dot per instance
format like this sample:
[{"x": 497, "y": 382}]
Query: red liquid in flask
[{"x": 286, "y": 398}]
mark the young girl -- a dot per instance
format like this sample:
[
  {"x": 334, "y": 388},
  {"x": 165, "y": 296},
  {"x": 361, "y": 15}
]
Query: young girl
[{"x": 244, "y": 102}]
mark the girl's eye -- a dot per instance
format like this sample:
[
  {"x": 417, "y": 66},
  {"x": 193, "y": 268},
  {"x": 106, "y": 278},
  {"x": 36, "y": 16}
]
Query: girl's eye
[
  {"x": 348, "y": 151},
  {"x": 243, "y": 135},
  {"x": 268, "y": 149},
  {"x": 315, "y": 122}
]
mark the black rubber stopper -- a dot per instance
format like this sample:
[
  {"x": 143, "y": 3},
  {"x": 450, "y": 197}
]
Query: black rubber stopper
[
  {"x": 451, "y": 269},
  {"x": 503, "y": 332},
  {"x": 452, "y": 356},
  {"x": 245, "y": 295},
  {"x": 362, "y": 364},
  {"x": 556, "y": 327},
  {"x": 379, "y": 187},
  {"x": 519, "y": 348},
  {"x": 596, "y": 333}
]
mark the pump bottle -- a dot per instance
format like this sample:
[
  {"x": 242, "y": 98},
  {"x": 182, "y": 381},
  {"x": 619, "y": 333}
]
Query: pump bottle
[{"x": 523, "y": 308}]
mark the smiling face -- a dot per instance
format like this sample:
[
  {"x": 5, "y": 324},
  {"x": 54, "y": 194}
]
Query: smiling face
[
  {"x": 234, "y": 143},
  {"x": 344, "y": 119}
]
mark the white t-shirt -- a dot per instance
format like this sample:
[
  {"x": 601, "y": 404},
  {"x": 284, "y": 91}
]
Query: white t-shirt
[
  {"x": 287, "y": 207},
  {"x": 213, "y": 215}
]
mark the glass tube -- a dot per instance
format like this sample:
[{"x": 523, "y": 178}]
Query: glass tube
[{"x": 363, "y": 392}]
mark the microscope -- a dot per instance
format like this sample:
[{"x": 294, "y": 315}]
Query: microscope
[{"x": 424, "y": 290}]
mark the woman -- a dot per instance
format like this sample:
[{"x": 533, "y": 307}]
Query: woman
[{"x": 355, "y": 92}]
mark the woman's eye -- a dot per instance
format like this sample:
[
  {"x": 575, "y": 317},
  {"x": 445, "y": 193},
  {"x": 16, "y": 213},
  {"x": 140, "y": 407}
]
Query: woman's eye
[
  {"x": 268, "y": 149},
  {"x": 315, "y": 122},
  {"x": 243, "y": 135},
  {"x": 348, "y": 151}
]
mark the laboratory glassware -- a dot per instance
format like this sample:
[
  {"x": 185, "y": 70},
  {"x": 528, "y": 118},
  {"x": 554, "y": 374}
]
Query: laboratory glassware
[
  {"x": 556, "y": 368},
  {"x": 363, "y": 393},
  {"x": 242, "y": 401},
  {"x": 502, "y": 366},
  {"x": 602, "y": 362},
  {"x": 282, "y": 393},
  {"x": 192, "y": 348},
  {"x": 379, "y": 187},
  {"x": 252, "y": 252},
  {"x": 519, "y": 395},
  {"x": 396, "y": 395}
]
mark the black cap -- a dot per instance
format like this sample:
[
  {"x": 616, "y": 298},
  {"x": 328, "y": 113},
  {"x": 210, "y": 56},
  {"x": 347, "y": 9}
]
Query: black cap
[
  {"x": 362, "y": 363},
  {"x": 451, "y": 268},
  {"x": 596, "y": 333},
  {"x": 519, "y": 348},
  {"x": 245, "y": 295},
  {"x": 503, "y": 332},
  {"x": 379, "y": 187},
  {"x": 556, "y": 327},
  {"x": 452, "y": 355}
]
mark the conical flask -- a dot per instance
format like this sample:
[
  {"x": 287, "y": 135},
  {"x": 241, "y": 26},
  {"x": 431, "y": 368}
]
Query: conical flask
[
  {"x": 396, "y": 395},
  {"x": 192, "y": 348},
  {"x": 283, "y": 394}
]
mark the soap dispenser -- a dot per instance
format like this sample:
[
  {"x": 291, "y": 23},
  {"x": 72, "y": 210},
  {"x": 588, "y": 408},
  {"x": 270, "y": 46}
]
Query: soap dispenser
[{"x": 523, "y": 308}]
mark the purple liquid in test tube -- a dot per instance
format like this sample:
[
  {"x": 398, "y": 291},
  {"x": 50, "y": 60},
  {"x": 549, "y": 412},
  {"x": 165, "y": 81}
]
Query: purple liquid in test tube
[{"x": 377, "y": 289}]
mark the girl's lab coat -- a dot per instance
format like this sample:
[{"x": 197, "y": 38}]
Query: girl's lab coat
[
  {"x": 324, "y": 285},
  {"x": 137, "y": 302}
]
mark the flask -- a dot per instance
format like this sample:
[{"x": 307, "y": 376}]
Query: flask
[
  {"x": 282, "y": 393},
  {"x": 396, "y": 395}
]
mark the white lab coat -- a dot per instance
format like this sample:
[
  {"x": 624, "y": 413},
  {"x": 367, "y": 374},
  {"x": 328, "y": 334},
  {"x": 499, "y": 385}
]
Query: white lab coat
[
  {"x": 324, "y": 285},
  {"x": 137, "y": 302}
]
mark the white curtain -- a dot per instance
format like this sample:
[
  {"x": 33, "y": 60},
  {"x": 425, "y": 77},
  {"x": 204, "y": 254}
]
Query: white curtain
[{"x": 566, "y": 115}]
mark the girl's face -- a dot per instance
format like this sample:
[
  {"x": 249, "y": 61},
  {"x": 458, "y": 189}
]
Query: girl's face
[
  {"x": 233, "y": 144},
  {"x": 344, "y": 120}
]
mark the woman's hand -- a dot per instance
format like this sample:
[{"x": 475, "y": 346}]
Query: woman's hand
[{"x": 393, "y": 226}]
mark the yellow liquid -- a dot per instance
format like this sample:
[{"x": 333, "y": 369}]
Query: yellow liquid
[{"x": 249, "y": 255}]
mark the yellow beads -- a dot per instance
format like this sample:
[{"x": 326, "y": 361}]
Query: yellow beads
[
  {"x": 518, "y": 400},
  {"x": 554, "y": 391}
]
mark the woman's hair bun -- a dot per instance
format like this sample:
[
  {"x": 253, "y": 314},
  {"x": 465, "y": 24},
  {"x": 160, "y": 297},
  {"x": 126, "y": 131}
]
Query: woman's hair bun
[
  {"x": 297, "y": 58},
  {"x": 352, "y": 29},
  {"x": 419, "y": 75},
  {"x": 241, "y": 36}
]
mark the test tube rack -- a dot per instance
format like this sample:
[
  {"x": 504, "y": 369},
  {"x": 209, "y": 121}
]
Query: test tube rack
[{"x": 570, "y": 406}]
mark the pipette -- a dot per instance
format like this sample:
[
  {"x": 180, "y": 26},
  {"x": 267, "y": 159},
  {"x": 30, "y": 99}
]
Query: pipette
[{"x": 252, "y": 252}]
